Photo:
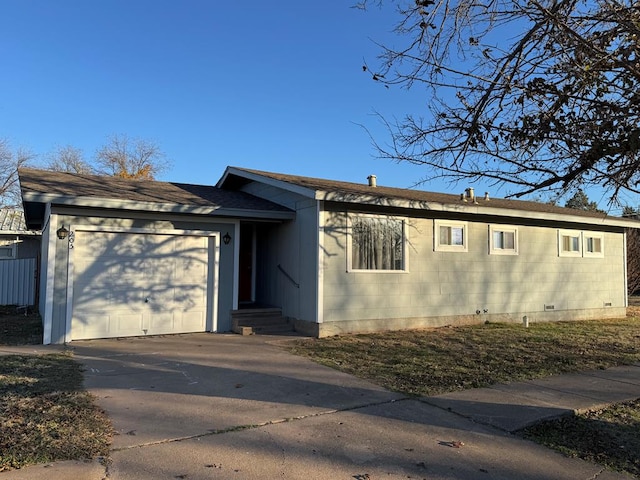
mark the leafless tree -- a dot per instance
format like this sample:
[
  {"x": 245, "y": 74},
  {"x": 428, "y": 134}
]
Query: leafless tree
[
  {"x": 69, "y": 159},
  {"x": 539, "y": 95},
  {"x": 633, "y": 260},
  {"x": 10, "y": 162},
  {"x": 131, "y": 158},
  {"x": 633, "y": 251}
]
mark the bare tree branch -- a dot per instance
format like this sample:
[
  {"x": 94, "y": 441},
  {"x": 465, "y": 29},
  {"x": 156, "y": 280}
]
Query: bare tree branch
[
  {"x": 542, "y": 95},
  {"x": 10, "y": 162}
]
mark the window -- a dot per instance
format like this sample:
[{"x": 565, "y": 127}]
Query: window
[
  {"x": 7, "y": 249},
  {"x": 593, "y": 244},
  {"x": 569, "y": 244},
  {"x": 572, "y": 243},
  {"x": 450, "y": 236},
  {"x": 503, "y": 240},
  {"x": 377, "y": 243}
]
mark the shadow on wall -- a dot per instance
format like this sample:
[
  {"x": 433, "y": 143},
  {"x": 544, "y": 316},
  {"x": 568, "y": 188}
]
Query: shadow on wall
[{"x": 138, "y": 283}]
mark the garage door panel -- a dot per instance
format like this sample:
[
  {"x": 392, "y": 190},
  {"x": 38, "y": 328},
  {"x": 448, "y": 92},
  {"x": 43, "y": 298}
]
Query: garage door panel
[
  {"x": 139, "y": 284},
  {"x": 157, "y": 267},
  {"x": 190, "y": 321}
]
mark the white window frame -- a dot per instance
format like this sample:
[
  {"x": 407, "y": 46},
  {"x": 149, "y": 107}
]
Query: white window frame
[
  {"x": 496, "y": 250},
  {"x": 445, "y": 247},
  {"x": 405, "y": 262},
  {"x": 573, "y": 234},
  {"x": 585, "y": 241}
]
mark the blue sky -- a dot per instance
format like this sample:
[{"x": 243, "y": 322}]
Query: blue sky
[
  {"x": 269, "y": 85},
  {"x": 276, "y": 86}
]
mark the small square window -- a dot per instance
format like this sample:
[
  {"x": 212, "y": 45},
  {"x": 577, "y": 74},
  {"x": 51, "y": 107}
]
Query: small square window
[
  {"x": 450, "y": 236},
  {"x": 503, "y": 240},
  {"x": 569, "y": 243},
  {"x": 593, "y": 244}
]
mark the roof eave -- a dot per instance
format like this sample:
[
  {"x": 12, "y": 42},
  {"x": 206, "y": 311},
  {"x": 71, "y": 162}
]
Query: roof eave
[
  {"x": 105, "y": 203},
  {"x": 473, "y": 209}
]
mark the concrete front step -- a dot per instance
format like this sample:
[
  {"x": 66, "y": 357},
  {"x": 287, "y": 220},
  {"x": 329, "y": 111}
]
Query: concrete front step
[{"x": 260, "y": 321}]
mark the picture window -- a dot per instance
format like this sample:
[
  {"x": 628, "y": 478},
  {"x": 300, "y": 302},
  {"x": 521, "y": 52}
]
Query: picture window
[{"x": 377, "y": 243}]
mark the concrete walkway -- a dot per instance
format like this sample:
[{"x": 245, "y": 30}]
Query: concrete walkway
[{"x": 231, "y": 407}]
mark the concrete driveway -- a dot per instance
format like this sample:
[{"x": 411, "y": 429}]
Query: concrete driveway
[{"x": 208, "y": 406}]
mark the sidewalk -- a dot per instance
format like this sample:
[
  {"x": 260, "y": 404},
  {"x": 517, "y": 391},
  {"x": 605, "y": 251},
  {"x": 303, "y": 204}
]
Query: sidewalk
[
  {"x": 233, "y": 407},
  {"x": 513, "y": 406}
]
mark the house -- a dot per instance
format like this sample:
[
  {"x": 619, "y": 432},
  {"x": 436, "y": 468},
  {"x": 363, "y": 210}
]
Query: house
[
  {"x": 19, "y": 251},
  {"x": 129, "y": 258}
]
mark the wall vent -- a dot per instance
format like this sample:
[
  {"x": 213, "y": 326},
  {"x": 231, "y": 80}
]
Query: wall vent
[
  {"x": 607, "y": 304},
  {"x": 549, "y": 307}
]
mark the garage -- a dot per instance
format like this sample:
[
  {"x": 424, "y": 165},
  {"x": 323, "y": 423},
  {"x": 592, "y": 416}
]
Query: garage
[{"x": 139, "y": 283}]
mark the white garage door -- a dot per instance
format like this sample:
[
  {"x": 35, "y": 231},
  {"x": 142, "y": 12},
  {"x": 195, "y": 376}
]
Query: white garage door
[{"x": 129, "y": 284}]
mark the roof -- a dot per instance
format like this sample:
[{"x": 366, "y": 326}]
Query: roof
[
  {"x": 40, "y": 187},
  {"x": 332, "y": 190},
  {"x": 12, "y": 223}
]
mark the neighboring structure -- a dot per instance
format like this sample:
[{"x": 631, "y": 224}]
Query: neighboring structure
[
  {"x": 143, "y": 258},
  {"x": 19, "y": 252}
]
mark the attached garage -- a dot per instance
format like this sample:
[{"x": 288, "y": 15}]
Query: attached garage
[
  {"x": 141, "y": 283},
  {"x": 124, "y": 258}
]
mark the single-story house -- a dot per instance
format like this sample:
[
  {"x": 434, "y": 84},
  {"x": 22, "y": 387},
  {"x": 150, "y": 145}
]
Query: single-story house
[
  {"x": 19, "y": 252},
  {"x": 131, "y": 258}
]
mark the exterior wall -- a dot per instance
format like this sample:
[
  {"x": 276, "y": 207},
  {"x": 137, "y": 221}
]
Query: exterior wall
[
  {"x": 28, "y": 246},
  {"x": 72, "y": 219},
  {"x": 292, "y": 247},
  {"x": 25, "y": 246},
  {"x": 441, "y": 287}
]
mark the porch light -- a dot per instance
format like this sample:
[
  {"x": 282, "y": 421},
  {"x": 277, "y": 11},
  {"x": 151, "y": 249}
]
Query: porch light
[
  {"x": 227, "y": 238},
  {"x": 62, "y": 233}
]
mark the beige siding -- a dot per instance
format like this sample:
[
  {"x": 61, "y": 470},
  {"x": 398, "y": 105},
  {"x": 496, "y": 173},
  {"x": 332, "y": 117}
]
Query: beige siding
[{"x": 443, "y": 284}]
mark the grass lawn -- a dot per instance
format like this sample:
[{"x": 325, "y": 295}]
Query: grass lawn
[
  {"x": 429, "y": 362},
  {"x": 45, "y": 414}
]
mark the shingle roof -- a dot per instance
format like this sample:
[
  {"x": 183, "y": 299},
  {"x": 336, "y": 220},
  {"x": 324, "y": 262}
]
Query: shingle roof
[
  {"x": 349, "y": 189},
  {"x": 35, "y": 182}
]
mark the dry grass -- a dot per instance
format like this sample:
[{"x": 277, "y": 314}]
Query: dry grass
[
  {"x": 608, "y": 436},
  {"x": 22, "y": 327},
  {"x": 45, "y": 414},
  {"x": 429, "y": 362}
]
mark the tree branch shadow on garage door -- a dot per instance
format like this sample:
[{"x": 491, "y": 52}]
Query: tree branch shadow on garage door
[{"x": 128, "y": 284}]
